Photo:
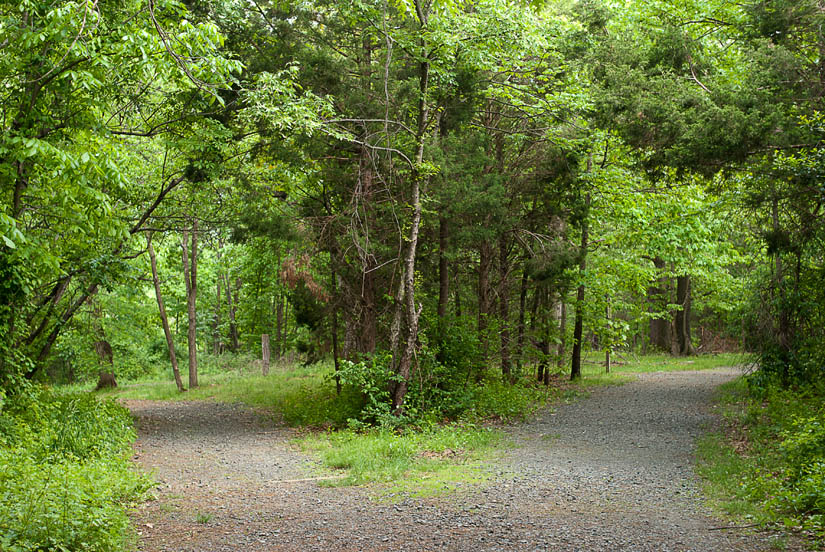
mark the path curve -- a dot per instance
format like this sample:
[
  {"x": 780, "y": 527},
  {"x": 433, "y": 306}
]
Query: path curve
[{"x": 608, "y": 472}]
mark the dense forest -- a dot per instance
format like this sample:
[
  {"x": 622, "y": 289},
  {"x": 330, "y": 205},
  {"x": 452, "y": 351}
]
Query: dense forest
[{"x": 422, "y": 193}]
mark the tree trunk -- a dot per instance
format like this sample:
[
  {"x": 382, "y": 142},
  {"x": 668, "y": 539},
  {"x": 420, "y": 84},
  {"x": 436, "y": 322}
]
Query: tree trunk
[
  {"x": 660, "y": 335},
  {"x": 335, "y": 352},
  {"x": 484, "y": 265},
  {"x": 190, "y": 277},
  {"x": 279, "y": 326},
  {"x": 504, "y": 308},
  {"x": 216, "y": 320},
  {"x": 170, "y": 342},
  {"x": 443, "y": 267},
  {"x": 368, "y": 321},
  {"x": 457, "y": 295},
  {"x": 561, "y": 350},
  {"x": 683, "y": 316},
  {"x": 546, "y": 355},
  {"x": 522, "y": 303},
  {"x": 106, "y": 378},
  {"x": 411, "y": 313},
  {"x": 217, "y": 341},
  {"x": 46, "y": 348},
  {"x": 576, "y": 363},
  {"x": 608, "y": 345},
  {"x": 234, "y": 344}
]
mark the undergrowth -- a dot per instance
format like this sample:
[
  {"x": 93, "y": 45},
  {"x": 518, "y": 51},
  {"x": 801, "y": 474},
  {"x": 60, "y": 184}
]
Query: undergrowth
[
  {"x": 65, "y": 474},
  {"x": 768, "y": 466}
]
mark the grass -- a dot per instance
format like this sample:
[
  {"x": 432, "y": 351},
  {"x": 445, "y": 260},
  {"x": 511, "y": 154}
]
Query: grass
[
  {"x": 624, "y": 365},
  {"x": 429, "y": 462},
  {"x": 302, "y": 396},
  {"x": 632, "y": 363}
]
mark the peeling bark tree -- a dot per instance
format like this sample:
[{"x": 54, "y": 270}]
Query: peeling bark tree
[{"x": 405, "y": 305}]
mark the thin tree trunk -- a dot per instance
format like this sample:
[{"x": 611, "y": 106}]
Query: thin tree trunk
[
  {"x": 408, "y": 280},
  {"x": 607, "y": 349},
  {"x": 457, "y": 294},
  {"x": 190, "y": 276},
  {"x": 561, "y": 351},
  {"x": 52, "y": 337},
  {"x": 547, "y": 339},
  {"x": 335, "y": 354},
  {"x": 216, "y": 320},
  {"x": 443, "y": 267},
  {"x": 368, "y": 321},
  {"x": 484, "y": 265},
  {"x": 279, "y": 326},
  {"x": 576, "y": 363},
  {"x": 234, "y": 344},
  {"x": 170, "y": 342},
  {"x": 504, "y": 308},
  {"x": 522, "y": 303}
]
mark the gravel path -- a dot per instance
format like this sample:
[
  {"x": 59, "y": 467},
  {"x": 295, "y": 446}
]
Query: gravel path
[{"x": 608, "y": 472}]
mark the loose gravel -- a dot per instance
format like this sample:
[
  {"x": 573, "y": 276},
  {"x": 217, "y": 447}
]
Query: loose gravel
[{"x": 612, "y": 471}]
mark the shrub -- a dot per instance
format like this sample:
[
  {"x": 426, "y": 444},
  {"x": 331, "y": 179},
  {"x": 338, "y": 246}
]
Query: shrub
[
  {"x": 436, "y": 393},
  {"x": 64, "y": 473}
]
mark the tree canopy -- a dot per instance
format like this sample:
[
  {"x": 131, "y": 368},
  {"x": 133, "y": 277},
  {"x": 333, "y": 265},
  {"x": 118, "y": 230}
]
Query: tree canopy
[{"x": 426, "y": 185}]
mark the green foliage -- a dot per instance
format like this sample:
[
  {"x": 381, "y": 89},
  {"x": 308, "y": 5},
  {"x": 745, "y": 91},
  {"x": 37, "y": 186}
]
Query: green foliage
[
  {"x": 495, "y": 399},
  {"x": 65, "y": 474},
  {"x": 370, "y": 378},
  {"x": 438, "y": 391},
  {"x": 775, "y": 474},
  {"x": 382, "y": 455}
]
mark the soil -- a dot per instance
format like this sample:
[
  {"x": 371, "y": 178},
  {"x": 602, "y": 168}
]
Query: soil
[{"x": 612, "y": 471}]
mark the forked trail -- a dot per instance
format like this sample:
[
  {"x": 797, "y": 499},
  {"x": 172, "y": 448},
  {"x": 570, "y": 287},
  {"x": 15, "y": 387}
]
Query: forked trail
[{"x": 609, "y": 472}]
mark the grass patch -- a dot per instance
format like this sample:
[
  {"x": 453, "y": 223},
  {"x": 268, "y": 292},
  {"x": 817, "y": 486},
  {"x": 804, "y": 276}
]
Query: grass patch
[
  {"x": 413, "y": 463},
  {"x": 302, "y": 396},
  {"x": 624, "y": 365},
  {"x": 756, "y": 472},
  {"x": 667, "y": 363}
]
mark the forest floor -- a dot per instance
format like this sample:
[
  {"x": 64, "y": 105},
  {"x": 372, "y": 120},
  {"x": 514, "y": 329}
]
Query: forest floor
[{"x": 610, "y": 471}]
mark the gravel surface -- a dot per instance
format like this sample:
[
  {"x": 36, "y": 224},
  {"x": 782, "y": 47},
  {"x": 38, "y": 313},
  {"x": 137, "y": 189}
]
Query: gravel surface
[{"x": 608, "y": 472}]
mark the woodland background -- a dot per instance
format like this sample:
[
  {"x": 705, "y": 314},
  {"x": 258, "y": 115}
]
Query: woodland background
[{"x": 427, "y": 195}]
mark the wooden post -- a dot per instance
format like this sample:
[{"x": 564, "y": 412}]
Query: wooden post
[{"x": 265, "y": 351}]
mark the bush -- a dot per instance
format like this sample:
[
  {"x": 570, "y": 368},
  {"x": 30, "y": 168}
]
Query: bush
[
  {"x": 802, "y": 489},
  {"x": 65, "y": 475},
  {"x": 501, "y": 400},
  {"x": 436, "y": 393}
]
